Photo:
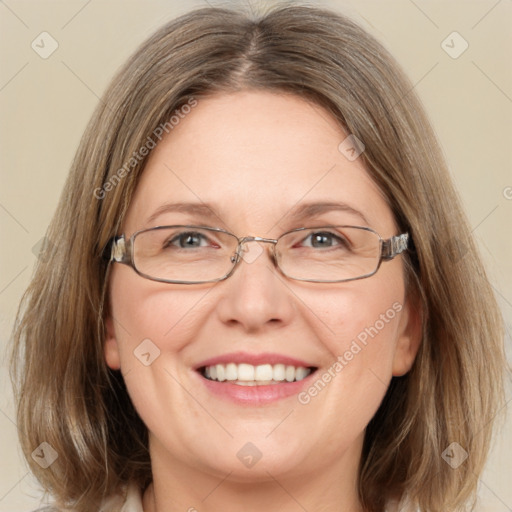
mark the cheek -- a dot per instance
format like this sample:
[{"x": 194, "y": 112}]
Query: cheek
[
  {"x": 359, "y": 325},
  {"x": 360, "y": 321},
  {"x": 153, "y": 314},
  {"x": 154, "y": 324}
]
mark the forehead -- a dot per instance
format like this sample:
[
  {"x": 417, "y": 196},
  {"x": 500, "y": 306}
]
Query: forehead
[{"x": 255, "y": 158}]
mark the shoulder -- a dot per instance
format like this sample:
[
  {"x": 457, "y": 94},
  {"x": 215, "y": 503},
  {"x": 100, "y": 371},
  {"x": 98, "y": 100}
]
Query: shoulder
[
  {"x": 48, "y": 509},
  {"x": 403, "y": 505},
  {"x": 128, "y": 499}
]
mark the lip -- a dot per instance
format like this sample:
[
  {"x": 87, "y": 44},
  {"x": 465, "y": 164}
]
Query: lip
[
  {"x": 254, "y": 395},
  {"x": 254, "y": 359}
]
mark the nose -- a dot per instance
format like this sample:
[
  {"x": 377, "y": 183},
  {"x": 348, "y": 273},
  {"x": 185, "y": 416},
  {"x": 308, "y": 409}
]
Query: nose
[{"x": 256, "y": 297}]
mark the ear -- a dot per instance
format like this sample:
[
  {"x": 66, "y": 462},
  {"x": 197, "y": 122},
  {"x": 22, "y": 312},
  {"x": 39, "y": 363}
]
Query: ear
[
  {"x": 410, "y": 333},
  {"x": 110, "y": 346}
]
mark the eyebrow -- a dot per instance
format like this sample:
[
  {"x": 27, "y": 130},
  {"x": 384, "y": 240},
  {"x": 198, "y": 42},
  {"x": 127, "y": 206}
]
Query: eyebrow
[
  {"x": 315, "y": 209},
  {"x": 299, "y": 213},
  {"x": 200, "y": 209}
]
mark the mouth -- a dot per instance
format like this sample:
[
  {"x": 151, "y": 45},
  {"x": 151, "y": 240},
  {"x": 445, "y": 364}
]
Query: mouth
[
  {"x": 250, "y": 379},
  {"x": 245, "y": 374}
]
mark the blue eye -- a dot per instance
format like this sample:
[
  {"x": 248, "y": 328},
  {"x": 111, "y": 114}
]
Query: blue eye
[
  {"x": 323, "y": 239},
  {"x": 188, "y": 239}
]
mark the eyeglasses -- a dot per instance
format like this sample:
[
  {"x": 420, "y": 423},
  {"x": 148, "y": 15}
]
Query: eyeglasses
[{"x": 200, "y": 254}]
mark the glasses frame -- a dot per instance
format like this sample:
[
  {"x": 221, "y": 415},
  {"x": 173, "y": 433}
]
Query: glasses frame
[{"x": 122, "y": 251}]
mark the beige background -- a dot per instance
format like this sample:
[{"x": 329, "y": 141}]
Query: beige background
[{"x": 45, "y": 104}]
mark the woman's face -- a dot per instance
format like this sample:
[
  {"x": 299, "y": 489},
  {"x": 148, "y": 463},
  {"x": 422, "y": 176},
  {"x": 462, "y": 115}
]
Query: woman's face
[{"x": 251, "y": 162}]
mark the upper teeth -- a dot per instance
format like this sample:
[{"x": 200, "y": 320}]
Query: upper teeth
[{"x": 264, "y": 373}]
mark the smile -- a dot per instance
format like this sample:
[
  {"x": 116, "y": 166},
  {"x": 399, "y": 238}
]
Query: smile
[{"x": 244, "y": 374}]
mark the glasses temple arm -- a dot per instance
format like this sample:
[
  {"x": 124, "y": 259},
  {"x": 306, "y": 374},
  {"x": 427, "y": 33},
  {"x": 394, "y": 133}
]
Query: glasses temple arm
[
  {"x": 394, "y": 245},
  {"x": 120, "y": 250}
]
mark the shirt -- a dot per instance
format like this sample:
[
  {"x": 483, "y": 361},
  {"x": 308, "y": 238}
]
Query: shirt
[{"x": 130, "y": 500}]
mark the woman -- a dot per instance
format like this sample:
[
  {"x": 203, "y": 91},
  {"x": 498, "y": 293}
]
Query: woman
[{"x": 255, "y": 296}]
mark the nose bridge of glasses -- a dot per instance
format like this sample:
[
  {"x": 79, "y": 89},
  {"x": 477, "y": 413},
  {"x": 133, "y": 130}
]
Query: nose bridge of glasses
[
  {"x": 246, "y": 239},
  {"x": 245, "y": 253}
]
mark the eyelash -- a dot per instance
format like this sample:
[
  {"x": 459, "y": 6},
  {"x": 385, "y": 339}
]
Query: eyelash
[
  {"x": 178, "y": 239},
  {"x": 339, "y": 240},
  {"x": 180, "y": 236}
]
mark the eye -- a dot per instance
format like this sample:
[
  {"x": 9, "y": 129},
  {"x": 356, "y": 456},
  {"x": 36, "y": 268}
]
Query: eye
[
  {"x": 188, "y": 240},
  {"x": 324, "y": 239}
]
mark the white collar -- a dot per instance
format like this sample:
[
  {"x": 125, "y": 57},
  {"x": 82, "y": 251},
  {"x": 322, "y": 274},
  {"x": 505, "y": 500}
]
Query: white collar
[{"x": 128, "y": 500}]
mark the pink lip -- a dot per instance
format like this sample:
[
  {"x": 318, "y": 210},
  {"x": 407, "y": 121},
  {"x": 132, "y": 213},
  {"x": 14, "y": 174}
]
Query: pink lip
[
  {"x": 255, "y": 395},
  {"x": 254, "y": 359}
]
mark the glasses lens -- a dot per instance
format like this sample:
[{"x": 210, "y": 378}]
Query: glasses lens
[
  {"x": 333, "y": 253},
  {"x": 184, "y": 253}
]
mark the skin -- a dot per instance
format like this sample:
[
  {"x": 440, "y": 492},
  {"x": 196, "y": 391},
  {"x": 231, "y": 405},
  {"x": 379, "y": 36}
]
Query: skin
[{"x": 254, "y": 157}]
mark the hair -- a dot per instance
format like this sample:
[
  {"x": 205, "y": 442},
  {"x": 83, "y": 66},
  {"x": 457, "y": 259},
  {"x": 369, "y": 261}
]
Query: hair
[{"x": 69, "y": 398}]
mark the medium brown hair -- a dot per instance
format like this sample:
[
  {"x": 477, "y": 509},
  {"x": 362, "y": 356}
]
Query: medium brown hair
[{"x": 70, "y": 399}]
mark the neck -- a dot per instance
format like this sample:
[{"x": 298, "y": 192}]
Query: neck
[{"x": 180, "y": 487}]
